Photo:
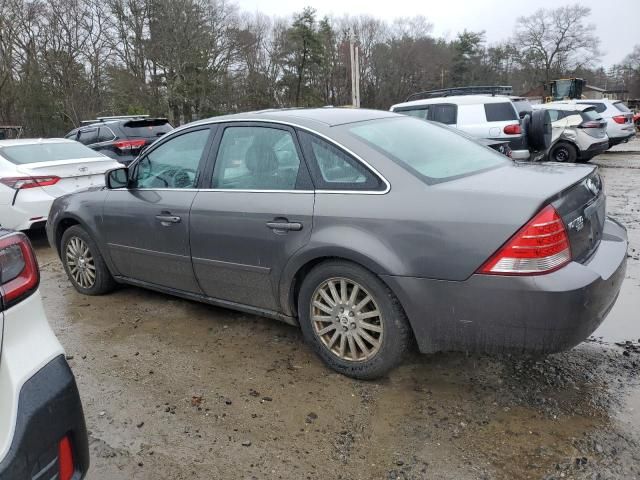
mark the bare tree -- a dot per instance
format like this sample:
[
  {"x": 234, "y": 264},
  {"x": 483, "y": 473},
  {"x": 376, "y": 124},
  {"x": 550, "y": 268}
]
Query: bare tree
[{"x": 557, "y": 40}]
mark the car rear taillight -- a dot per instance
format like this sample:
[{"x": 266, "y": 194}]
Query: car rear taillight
[
  {"x": 591, "y": 124},
  {"x": 66, "y": 466},
  {"x": 126, "y": 145},
  {"x": 512, "y": 129},
  {"x": 22, "y": 183},
  {"x": 19, "y": 274},
  {"x": 541, "y": 246},
  {"x": 620, "y": 119}
]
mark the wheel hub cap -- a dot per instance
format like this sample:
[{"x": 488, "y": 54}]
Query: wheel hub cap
[
  {"x": 80, "y": 263},
  {"x": 347, "y": 320}
]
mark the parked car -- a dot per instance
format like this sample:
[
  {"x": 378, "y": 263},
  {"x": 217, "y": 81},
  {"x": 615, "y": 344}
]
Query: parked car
[
  {"x": 636, "y": 120},
  {"x": 620, "y": 127},
  {"x": 366, "y": 228},
  {"x": 485, "y": 117},
  {"x": 42, "y": 427},
  {"x": 121, "y": 138},
  {"x": 34, "y": 171},
  {"x": 579, "y": 132}
]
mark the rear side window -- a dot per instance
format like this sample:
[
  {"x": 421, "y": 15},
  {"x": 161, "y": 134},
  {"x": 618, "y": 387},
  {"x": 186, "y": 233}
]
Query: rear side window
[
  {"x": 46, "y": 152},
  {"x": 500, "y": 112},
  {"x": 443, "y": 113},
  {"x": 150, "y": 128},
  {"x": 105, "y": 135},
  {"x": 622, "y": 107},
  {"x": 333, "y": 169},
  {"x": 556, "y": 115}
]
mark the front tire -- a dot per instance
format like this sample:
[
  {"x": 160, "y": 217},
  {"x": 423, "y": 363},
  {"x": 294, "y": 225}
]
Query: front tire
[
  {"x": 352, "y": 320},
  {"x": 84, "y": 264}
]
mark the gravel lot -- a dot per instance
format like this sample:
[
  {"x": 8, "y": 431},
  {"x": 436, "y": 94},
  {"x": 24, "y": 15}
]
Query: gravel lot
[{"x": 174, "y": 389}]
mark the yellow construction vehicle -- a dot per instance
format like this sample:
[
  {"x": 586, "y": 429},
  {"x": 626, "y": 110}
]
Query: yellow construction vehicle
[{"x": 563, "y": 89}]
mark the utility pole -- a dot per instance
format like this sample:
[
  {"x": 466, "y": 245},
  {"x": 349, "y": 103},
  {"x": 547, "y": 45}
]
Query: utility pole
[{"x": 355, "y": 72}]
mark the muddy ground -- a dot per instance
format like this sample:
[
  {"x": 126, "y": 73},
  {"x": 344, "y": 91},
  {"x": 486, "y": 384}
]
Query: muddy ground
[{"x": 174, "y": 389}]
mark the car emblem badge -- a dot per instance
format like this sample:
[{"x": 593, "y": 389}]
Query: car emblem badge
[
  {"x": 577, "y": 224},
  {"x": 83, "y": 169}
]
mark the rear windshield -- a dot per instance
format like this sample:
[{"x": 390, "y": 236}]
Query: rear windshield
[
  {"x": 147, "y": 128},
  {"x": 433, "y": 152},
  {"x": 622, "y": 107},
  {"x": 46, "y": 152},
  {"x": 590, "y": 114},
  {"x": 500, "y": 112}
]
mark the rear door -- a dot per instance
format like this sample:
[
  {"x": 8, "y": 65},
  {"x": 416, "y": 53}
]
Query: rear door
[
  {"x": 255, "y": 214},
  {"x": 146, "y": 226}
]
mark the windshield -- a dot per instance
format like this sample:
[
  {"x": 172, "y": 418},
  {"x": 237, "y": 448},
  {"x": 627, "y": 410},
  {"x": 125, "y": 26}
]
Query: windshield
[
  {"x": 47, "y": 152},
  {"x": 434, "y": 152}
]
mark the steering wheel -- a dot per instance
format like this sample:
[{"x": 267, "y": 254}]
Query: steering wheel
[{"x": 183, "y": 178}]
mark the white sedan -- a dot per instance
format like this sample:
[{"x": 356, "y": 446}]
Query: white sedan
[{"x": 33, "y": 172}]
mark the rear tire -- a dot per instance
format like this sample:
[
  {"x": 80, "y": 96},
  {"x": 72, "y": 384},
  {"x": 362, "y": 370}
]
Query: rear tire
[
  {"x": 353, "y": 322},
  {"x": 84, "y": 264},
  {"x": 563, "y": 152}
]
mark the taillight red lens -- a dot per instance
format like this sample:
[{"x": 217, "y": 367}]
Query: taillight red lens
[
  {"x": 591, "y": 124},
  {"x": 129, "y": 144},
  {"x": 66, "y": 467},
  {"x": 541, "y": 246},
  {"x": 19, "y": 274},
  {"x": 512, "y": 129},
  {"x": 21, "y": 183},
  {"x": 620, "y": 119}
]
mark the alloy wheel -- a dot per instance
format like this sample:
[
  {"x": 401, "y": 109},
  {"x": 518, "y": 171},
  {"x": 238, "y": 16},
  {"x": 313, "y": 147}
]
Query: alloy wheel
[
  {"x": 80, "y": 262},
  {"x": 347, "y": 320}
]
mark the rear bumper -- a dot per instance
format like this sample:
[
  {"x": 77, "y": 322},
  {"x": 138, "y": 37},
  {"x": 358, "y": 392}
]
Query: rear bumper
[
  {"x": 492, "y": 313},
  {"x": 625, "y": 138},
  {"x": 595, "y": 149},
  {"x": 48, "y": 409}
]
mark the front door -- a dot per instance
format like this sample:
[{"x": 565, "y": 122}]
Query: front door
[
  {"x": 256, "y": 214},
  {"x": 147, "y": 224}
]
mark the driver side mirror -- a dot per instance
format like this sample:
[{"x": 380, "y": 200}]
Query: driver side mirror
[{"x": 117, "y": 178}]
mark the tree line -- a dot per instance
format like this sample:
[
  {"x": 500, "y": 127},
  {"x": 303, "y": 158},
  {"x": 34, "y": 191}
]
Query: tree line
[{"x": 64, "y": 61}]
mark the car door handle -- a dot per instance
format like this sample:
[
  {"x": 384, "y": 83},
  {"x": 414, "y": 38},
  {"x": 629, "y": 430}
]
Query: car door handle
[
  {"x": 167, "y": 220},
  {"x": 285, "y": 226}
]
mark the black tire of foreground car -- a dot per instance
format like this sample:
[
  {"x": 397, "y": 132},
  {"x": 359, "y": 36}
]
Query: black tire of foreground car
[
  {"x": 563, "y": 152},
  {"x": 352, "y": 320},
  {"x": 84, "y": 264}
]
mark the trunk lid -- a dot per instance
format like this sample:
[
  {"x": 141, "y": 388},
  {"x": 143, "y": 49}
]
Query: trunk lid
[{"x": 74, "y": 174}]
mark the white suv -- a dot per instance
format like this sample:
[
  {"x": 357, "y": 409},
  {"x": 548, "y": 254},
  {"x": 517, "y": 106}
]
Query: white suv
[
  {"x": 483, "y": 117},
  {"x": 42, "y": 428},
  {"x": 620, "y": 127}
]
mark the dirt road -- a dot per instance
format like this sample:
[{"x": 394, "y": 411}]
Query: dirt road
[{"x": 178, "y": 390}]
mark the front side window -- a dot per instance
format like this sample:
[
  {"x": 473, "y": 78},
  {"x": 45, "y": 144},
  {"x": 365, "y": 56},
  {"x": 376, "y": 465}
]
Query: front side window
[
  {"x": 88, "y": 136},
  {"x": 174, "y": 164},
  {"x": 333, "y": 169},
  {"x": 432, "y": 152},
  {"x": 256, "y": 158},
  {"x": 421, "y": 112}
]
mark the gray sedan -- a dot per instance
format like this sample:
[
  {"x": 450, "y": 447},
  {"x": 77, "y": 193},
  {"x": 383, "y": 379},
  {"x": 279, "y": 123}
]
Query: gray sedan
[{"x": 368, "y": 229}]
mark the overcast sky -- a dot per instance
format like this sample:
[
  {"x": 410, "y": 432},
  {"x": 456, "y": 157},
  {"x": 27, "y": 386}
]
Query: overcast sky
[{"x": 617, "y": 22}]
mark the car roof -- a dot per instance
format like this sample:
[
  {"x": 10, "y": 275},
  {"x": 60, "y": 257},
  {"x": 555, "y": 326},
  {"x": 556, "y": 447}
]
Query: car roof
[
  {"x": 305, "y": 117},
  {"x": 33, "y": 141},
  {"x": 573, "y": 107},
  {"x": 457, "y": 100}
]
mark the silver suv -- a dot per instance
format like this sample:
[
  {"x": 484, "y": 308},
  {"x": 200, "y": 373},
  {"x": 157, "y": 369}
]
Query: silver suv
[
  {"x": 579, "y": 132},
  {"x": 619, "y": 118}
]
